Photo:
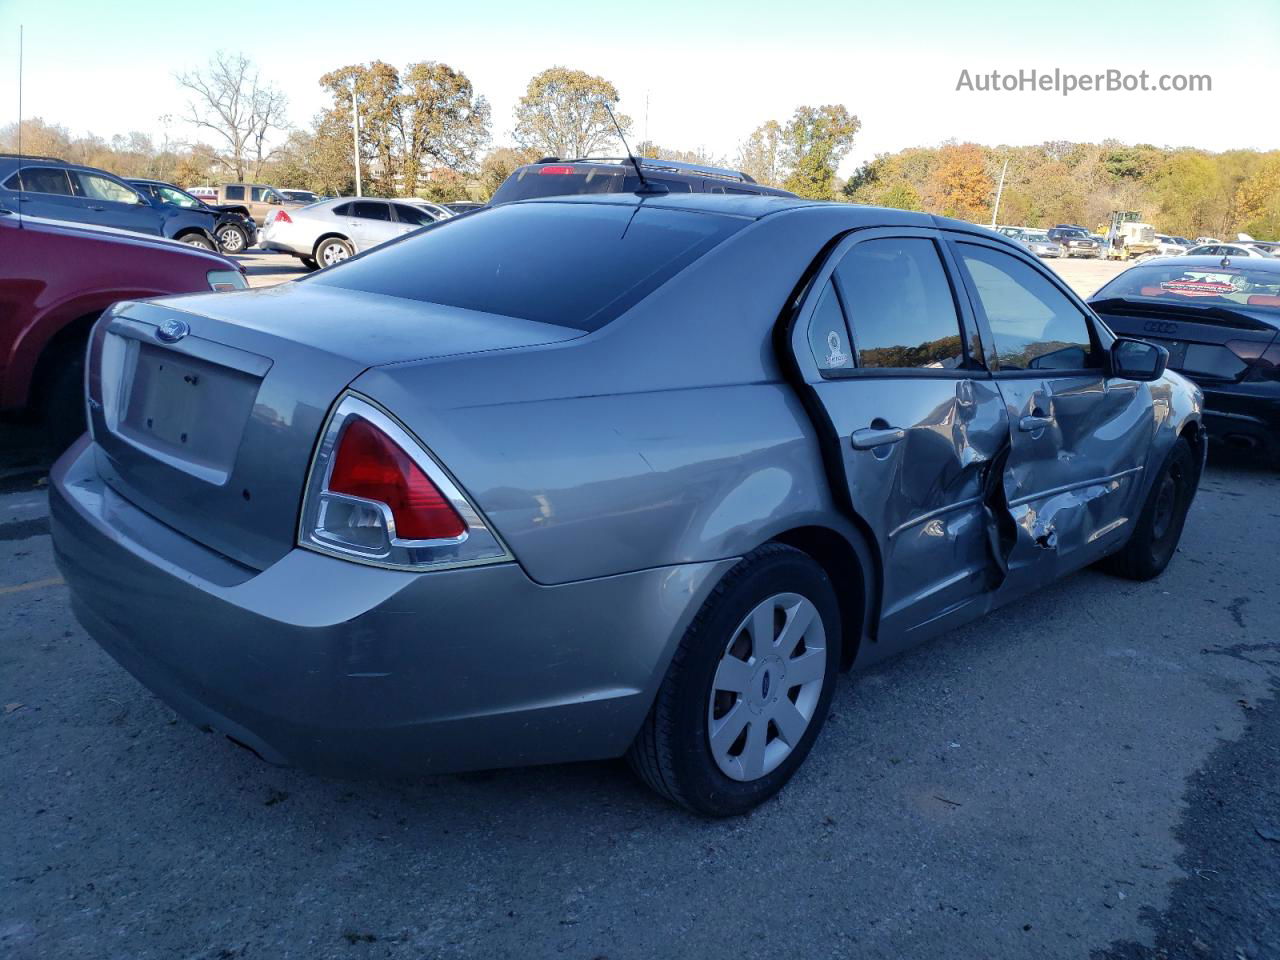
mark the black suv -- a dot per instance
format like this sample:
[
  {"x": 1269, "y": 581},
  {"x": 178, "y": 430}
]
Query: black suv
[
  {"x": 1075, "y": 240},
  {"x": 553, "y": 177},
  {"x": 233, "y": 228}
]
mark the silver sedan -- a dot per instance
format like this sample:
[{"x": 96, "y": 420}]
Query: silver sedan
[
  {"x": 1038, "y": 242},
  {"x": 608, "y": 475},
  {"x": 322, "y": 234}
]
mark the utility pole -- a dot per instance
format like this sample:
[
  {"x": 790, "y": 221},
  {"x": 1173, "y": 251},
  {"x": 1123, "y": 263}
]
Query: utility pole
[
  {"x": 355, "y": 132},
  {"x": 995, "y": 212}
]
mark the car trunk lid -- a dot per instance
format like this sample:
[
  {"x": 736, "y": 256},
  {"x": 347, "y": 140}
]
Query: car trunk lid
[
  {"x": 206, "y": 409},
  {"x": 1205, "y": 343}
]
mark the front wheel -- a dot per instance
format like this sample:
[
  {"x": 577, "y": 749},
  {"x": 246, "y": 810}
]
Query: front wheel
[
  {"x": 1159, "y": 526},
  {"x": 232, "y": 239},
  {"x": 333, "y": 250},
  {"x": 197, "y": 240},
  {"x": 748, "y": 688}
]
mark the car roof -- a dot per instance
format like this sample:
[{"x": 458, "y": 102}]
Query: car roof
[{"x": 759, "y": 206}]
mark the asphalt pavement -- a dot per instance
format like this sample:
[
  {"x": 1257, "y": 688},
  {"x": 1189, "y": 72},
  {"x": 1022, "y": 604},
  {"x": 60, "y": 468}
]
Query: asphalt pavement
[{"x": 1091, "y": 773}]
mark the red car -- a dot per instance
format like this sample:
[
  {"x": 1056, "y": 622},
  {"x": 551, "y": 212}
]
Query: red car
[{"x": 55, "y": 279}]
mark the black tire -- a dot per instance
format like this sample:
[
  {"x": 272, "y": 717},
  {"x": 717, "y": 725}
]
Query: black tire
[
  {"x": 331, "y": 251},
  {"x": 672, "y": 752},
  {"x": 309, "y": 263},
  {"x": 197, "y": 240},
  {"x": 233, "y": 239},
  {"x": 64, "y": 414},
  {"x": 1159, "y": 528}
]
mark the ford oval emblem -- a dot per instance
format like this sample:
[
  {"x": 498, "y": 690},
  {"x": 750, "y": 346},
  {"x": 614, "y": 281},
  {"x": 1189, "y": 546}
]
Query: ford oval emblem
[{"x": 172, "y": 330}]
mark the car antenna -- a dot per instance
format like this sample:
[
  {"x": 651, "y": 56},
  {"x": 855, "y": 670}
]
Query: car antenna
[
  {"x": 20, "y": 177},
  {"x": 646, "y": 187}
]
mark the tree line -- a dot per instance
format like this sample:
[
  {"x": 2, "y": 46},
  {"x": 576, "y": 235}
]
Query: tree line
[
  {"x": 1182, "y": 191},
  {"x": 425, "y": 131}
]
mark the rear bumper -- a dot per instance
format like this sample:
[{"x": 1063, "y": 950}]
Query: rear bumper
[
  {"x": 355, "y": 670},
  {"x": 1244, "y": 415},
  {"x": 281, "y": 246}
]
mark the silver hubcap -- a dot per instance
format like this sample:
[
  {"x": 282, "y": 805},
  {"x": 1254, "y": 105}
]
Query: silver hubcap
[
  {"x": 231, "y": 240},
  {"x": 334, "y": 253},
  {"x": 766, "y": 686}
]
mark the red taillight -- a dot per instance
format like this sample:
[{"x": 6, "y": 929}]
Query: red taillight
[
  {"x": 543, "y": 171},
  {"x": 1264, "y": 358},
  {"x": 282, "y": 217},
  {"x": 369, "y": 465}
]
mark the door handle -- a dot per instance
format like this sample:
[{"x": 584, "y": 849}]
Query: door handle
[
  {"x": 1031, "y": 424},
  {"x": 98, "y": 209},
  {"x": 869, "y": 438}
]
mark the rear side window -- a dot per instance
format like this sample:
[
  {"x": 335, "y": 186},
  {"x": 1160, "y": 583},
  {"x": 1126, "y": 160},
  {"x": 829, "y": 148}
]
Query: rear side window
[
  {"x": 41, "y": 180},
  {"x": 96, "y": 187},
  {"x": 370, "y": 211},
  {"x": 900, "y": 307},
  {"x": 235, "y": 193},
  {"x": 1034, "y": 325},
  {"x": 573, "y": 264}
]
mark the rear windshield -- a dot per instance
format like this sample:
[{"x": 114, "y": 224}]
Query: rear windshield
[
  {"x": 560, "y": 180},
  {"x": 1238, "y": 284},
  {"x": 575, "y": 265}
]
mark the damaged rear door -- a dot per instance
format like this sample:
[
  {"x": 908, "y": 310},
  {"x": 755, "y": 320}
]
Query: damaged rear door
[
  {"x": 915, "y": 428},
  {"x": 1079, "y": 439}
]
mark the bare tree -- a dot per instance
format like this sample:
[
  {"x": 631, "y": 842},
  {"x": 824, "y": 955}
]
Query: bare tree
[{"x": 229, "y": 98}]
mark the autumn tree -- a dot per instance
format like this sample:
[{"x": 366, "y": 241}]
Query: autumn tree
[
  {"x": 959, "y": 185},
  {"x": 814, "y": 142},
  {"x": 423, "y": 122},
  {"x": 760, "y": 155},
  {"x": 565, "y": 113},
  {"x": 1257, "y": 201},
  {"x": 229, "y": 98}
]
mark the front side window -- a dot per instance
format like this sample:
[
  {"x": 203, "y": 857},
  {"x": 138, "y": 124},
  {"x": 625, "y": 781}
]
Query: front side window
[
  {"x": 177, "y": 197},
  {"x": 899, "y": 305},
  {"x": 414, "y": 215},
  {"x": 1035, "y": 326},
  {"x": 256, "y": 194},
  {"x": 41, "y": 180},
  {"x": 96, "y": 187}
]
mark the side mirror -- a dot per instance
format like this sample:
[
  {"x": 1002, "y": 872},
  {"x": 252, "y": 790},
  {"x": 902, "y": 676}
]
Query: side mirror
[
  {"x": 273, "y": 199},
  {"x": 1138, "y": 360}
]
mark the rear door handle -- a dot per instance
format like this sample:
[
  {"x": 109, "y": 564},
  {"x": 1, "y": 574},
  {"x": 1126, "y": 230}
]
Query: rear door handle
[
  {"x": 869, "y": 438},
  {"x": 1031, "y": 424}
]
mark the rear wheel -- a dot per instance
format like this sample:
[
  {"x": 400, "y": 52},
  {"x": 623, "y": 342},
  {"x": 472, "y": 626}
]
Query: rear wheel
[
  {"x": 1159, "y": 528},
  {"x": 333, "y": 250},
  {"x": 64, "y": 414},
  {"x": 232, "y": 239},
  {"x": 748, "y": 688},
  {"x": 197, "y": 240}
]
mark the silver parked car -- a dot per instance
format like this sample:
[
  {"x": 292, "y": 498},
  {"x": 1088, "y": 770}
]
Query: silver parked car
[
  {"x": 1234, "y": 250},
  {"x": 1038, "y": 242},
  {"x": 330, "y": 231},
  {"x": 575, "y": 478}
]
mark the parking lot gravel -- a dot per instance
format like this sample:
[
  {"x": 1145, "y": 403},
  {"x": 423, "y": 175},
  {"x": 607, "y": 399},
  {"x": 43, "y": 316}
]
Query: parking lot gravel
[{"x": 1089, "y": 773}]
